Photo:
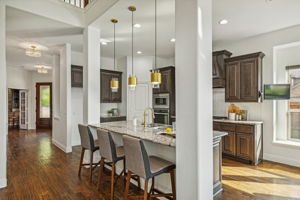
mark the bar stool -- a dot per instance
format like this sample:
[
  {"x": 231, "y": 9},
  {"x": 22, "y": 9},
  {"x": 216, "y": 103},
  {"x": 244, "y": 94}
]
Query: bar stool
[
  {"x": 112, "y": 154},
  {"x": 87, "y": 143},
  {"x": 147, "y": 167}
]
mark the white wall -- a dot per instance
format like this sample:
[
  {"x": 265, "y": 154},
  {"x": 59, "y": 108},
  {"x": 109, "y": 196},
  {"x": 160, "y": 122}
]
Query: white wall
[
  {"x": 3, "y": 100},
  {"x": 18, "y": 78},
  {"x": 262, "y": 111}
]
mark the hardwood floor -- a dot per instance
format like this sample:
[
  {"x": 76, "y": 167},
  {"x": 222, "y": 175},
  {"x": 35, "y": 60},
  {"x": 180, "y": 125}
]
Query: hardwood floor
[
  {"x": 38, "y": 170},
  {"x": 267, "y": 181}
]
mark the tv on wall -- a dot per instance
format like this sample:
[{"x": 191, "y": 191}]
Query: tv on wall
[{"x": 277, "y": 91}]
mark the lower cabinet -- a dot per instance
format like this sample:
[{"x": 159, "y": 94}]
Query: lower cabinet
[{"x": 243, "y": 142}]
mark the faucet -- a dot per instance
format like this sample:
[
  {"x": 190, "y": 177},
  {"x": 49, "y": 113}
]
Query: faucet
[{"x": 145, "y": 114}]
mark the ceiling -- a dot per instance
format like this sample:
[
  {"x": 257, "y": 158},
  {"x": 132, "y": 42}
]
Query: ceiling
[
  {"x": 249, "y": 18},
  {"x": 246, "y": 19}
]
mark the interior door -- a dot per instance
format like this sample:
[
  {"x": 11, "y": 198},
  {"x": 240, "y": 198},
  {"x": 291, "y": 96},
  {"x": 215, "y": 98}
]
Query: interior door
[
  {"x": 23, "y": 109},
  {"x": 44, "y": 105}
]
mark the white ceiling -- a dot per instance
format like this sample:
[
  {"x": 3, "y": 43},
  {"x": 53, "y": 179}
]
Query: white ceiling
[{"x": 246, "y": 18}]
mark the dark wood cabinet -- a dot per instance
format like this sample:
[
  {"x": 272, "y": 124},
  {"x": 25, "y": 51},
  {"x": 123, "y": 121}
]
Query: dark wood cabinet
[
  {"x": 167, "y": 81},
  {"x": 219, "y": 68},
  {"x": 76, "y": 76},
  {"x": 107, "y": 96},
  {"x": 229, "y": 143},
  {"x": 244, "y": 78},
  {"x": 243, "y": 142},
  {"x": 112, "y": 119}
]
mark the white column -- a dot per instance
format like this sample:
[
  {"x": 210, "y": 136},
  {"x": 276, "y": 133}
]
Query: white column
[
  {"x": 91, "y": 77},
  {"x": 62, "y": 126},
  {"x": 3, "y": 99},
  {"x": 194, "y": 99}
]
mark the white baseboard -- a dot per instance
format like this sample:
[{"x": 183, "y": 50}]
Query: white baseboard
[
  {"x": 61, "y": 146},
  {"x": 281, "y": 159},
  {"x": 3, "y": 182}
]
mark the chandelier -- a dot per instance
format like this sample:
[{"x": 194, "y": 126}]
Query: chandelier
[{"x": 32, "y": 51}]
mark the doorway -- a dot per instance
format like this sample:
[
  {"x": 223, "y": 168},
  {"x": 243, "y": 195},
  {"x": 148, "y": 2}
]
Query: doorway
[{"x": 44, "y": 105}]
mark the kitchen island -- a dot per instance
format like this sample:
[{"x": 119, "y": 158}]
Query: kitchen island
[{"x": 163, "y": 146}]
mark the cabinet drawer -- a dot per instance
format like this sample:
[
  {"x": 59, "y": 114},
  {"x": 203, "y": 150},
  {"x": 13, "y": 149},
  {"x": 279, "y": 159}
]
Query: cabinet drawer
[
  {"x": 217, "y": 126},
  {"x": 228, "y": 127},
  {"x": 244, "y": 128}
]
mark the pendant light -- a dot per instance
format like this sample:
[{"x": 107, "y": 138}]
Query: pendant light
[
  {"x": 114, "y": 83},
  {"x": 132, "y": 80},
  {"x": 155, "y": 74}
]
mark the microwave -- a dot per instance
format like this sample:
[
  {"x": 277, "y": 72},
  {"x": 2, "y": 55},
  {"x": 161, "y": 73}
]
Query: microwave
[{"x": 161, "y": 101}]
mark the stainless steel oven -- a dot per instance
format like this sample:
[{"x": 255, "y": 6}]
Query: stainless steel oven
[
  {"x": 162, "y": 116},
  {"x": 161, "y": 101}
]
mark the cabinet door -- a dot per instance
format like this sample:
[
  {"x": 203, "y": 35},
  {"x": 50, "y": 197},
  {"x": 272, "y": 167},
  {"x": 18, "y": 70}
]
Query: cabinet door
[
  {"x": 105, "y": 87},
  {"x": 166, "y": 77},
  {"x": 76, "y": 76},
  {"x": 116, "y": 97},
  {"x": 244, "y": 146},
  {"x": 218, "y": 71},
  {"x": 229, "y": 144},
  {"x": 232, "y": 88},
  {"x": 249, "y": 80}
]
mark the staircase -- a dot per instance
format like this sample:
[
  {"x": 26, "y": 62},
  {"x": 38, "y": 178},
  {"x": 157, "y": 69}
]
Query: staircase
[{"x": 78, "y": 3}]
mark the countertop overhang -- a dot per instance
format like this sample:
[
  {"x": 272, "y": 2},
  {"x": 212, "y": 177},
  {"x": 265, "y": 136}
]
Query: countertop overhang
[{"x": 238, "y": 122}]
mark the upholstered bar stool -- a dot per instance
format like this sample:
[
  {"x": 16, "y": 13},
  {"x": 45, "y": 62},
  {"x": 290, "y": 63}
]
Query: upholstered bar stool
[
  {"x": 111, "y": 153},
  {"x": 147, "y": 167},
  {"x": 87, "y": 143}
]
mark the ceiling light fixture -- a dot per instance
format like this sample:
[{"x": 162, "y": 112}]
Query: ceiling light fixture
[
  {"x": 104, "y": 43},
  {"x": 32, "y": 51},
  {"x": 155, "y": 74},
  {"x": 223, "y": 21},
  {"x": 132, "y": 80},
  {"x": 173, "y": 40},
  {"x": 139, "y": 52},
  {"x": 114, "y": 83},
  {"x": 137, "y": 26},
  {"x": 42, "y": 69}
]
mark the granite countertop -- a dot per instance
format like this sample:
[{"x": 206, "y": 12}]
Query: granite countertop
[
  {"x": 127, "y": 128},
  {"x": 150, "y": 134},
  {"x": 107, "y": 116},
  {"x": 238, "y": 122}
]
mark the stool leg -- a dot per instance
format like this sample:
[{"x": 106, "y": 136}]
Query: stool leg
[
  {"x": 128, "y": 177},
  {"x": 100, "y": 172},
  {"x": 112, "y": 186},
  {"x": 81, "y": 160},
  {"x": 153, "y": 184},
  {"x": 173, "y": 182},
  {"x": 91, "y": 165},
  {"x": 146, "y": 189}
]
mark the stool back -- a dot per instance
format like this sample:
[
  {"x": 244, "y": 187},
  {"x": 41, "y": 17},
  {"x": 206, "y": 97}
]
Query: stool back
[
  {"x": 87, "y": 139},
  {"x": 136, "y": 157},
  {"x": 107, "y": 145}
]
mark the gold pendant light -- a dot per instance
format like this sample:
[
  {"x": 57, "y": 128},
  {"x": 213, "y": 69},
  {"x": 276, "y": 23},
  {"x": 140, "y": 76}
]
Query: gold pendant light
[
  {"x": 132, "y": 80},
  {"x": 155, "y": 74},
  {"x": 114, "y": 83}
]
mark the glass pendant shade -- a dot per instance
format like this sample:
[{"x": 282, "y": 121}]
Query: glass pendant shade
[
  {"x": 114, "y": 85},
  {"x": 132, "y": 81},
  {"x": 155, "y": 79}
]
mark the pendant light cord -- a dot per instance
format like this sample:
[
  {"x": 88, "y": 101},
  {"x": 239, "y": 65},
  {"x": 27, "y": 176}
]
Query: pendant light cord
[
  {"x": 115, "y": 46},
  {"x": 132, "y": 41},
  {"x": 155, "y": 50}
]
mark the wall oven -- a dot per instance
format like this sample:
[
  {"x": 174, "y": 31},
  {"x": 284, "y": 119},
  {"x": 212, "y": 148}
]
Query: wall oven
[
  {"x": 162, "y": 116},
  {"x": 161, "y": 101}
]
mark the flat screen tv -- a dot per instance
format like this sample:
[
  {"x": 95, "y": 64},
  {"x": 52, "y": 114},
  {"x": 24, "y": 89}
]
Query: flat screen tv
[{"x": 277, "y": 91}]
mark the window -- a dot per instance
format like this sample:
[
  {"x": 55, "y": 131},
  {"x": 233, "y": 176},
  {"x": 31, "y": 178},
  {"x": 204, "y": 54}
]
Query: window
[{"x": 294, "y": 105}]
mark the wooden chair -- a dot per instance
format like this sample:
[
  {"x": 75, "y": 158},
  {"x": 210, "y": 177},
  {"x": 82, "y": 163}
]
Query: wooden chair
[
  {"x": 87, "y": 143},
  {"x": 147, "y": 167}
]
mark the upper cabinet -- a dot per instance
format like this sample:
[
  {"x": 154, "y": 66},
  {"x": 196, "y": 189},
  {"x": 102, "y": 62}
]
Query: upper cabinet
[
  {"x": 167, "y": 81},
  {"x": 76, "y": 76},
  {"x": 107, "y": 96},
  {"x": 219, "y": 68},
  {"x": 244, "y": 78}
]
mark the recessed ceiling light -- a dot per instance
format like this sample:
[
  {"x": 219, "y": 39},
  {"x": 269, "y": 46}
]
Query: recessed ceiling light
[
  {"x": 137, "y": 26},
  {"x": 223, "y": 21},
  {"x": 173, "y": 40},
  {"x": 139, "y": 52},
  {"x": 104, "y": 43}
]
